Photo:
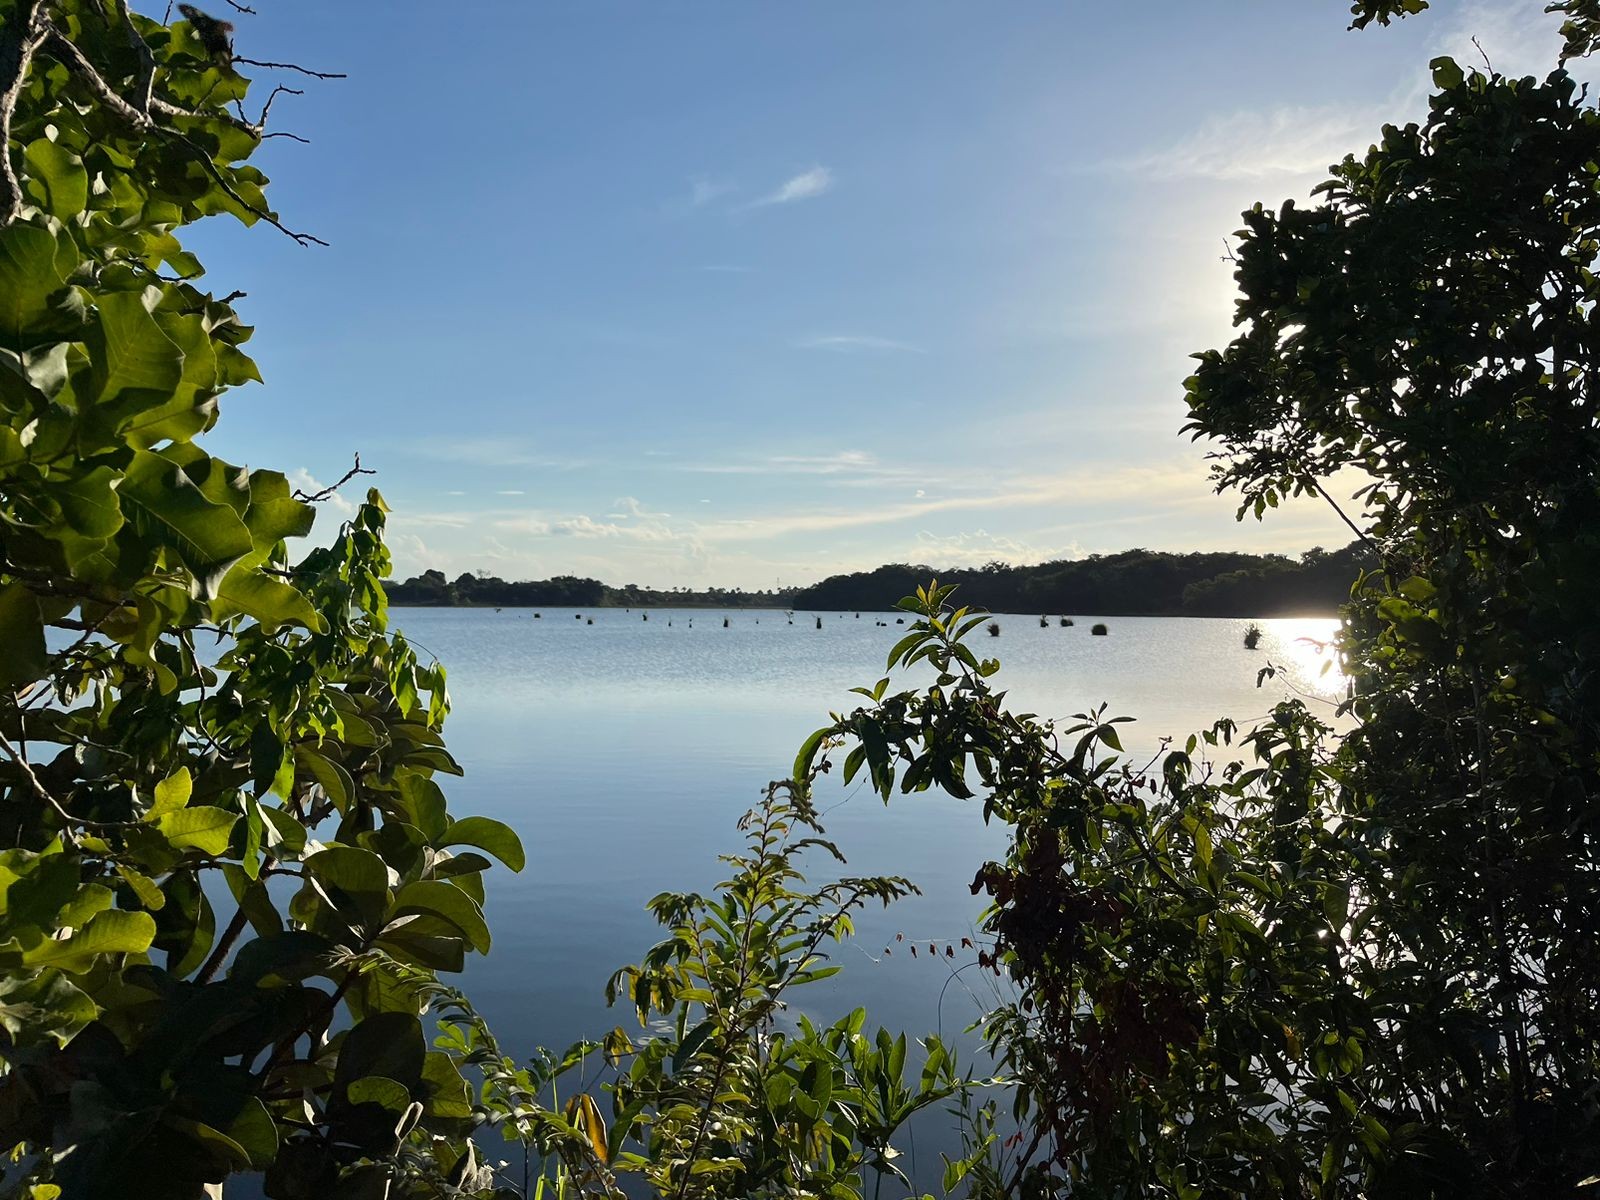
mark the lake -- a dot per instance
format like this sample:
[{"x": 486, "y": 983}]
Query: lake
[{"x": 623, "y": 751}]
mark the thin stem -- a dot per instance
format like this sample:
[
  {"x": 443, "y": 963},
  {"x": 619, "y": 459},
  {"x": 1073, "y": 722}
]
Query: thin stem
[{"x": 230, "y": 935}]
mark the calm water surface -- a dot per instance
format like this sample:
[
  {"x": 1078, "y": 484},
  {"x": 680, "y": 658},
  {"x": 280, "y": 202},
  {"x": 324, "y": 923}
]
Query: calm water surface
[{"x": 624, "y": 751}]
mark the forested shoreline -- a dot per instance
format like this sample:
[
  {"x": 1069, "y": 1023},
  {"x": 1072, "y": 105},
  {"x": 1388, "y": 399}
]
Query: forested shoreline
[{"x": 1128, "y": 583}]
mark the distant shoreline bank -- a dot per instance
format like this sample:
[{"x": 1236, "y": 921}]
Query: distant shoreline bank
[
  {"x": 1150, "y": 583},
  {"x": 1015, "y": 615}
]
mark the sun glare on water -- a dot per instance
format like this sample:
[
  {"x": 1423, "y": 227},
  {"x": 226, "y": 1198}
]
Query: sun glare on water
[{"x": 1304, "y": 647}]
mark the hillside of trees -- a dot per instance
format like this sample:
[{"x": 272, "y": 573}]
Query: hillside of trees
[
  {"x": 1129, "y": 583},
  {"x": 431, "y": 588}
]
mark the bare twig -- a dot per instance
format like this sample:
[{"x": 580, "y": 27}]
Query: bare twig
[
  {"x": 1354, "y": 528},
  {"x": 19, "y": 39},
  {"x": 318, "y": 497},
  {"x": 266, "y": 109},
  {"x": 241, "y": 8},
  {"x": 1482, "y": 53},
  {"x": 277, "y": 66}
]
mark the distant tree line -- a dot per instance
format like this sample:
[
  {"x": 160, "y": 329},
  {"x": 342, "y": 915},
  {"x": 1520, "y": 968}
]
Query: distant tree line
[
  {"x": 1130, "y": 583},
  {"x": 569, "y": 591}
]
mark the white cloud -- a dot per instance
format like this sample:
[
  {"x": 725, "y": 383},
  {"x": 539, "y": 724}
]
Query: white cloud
[
  {"x": 1179, "y": 484},
  {"x": 511, "y": 492},
  {"x": 804, "y": 186},
  {"x": 1255, "y": 145},
  {"x": 629, "y": 508},
  {"x": 858, "y": 464},
  {"x": 1517, "y": 36},
  {"x": 980, "y": 546},
  {"x": 704, "y": 191},
  {"x": 856, "y": 342}
]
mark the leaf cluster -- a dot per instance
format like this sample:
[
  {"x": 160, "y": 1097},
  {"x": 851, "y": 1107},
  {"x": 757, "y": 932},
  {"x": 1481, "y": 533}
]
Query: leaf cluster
[{"x": 228, "y": 872}]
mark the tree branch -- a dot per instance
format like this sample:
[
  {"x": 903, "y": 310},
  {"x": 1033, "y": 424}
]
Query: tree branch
[
  {"x": 277, "y": 66},
  {"x": 75, "y": 61},
  {"x": 318, "y": 497},
  {"x": 45, "y": 794},
  {"x": 18, "y": 41}
]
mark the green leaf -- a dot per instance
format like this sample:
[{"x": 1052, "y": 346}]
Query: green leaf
[
  {"x": 130, "y": 353},
  {"x": 488, "y": 834},
  {"x": 56, "y": 178},
  {"x": 34, "y": 1008},
  {"x": 208, "y": 537},
  {"x": 172, "y": 793},
  {"x": 388, "y": 1044},
  {"x": 248, "y": 591},
  {"x": 808, "y": 752},
  {"x": 36, "y": 308},
  {"x": 200, "y": 828},
  {"x": 351, "y": 869},
  {"x": 330, "y": 776},
  {"x": 434, "y": 897},
  {"x": 110, "y": 932},
  {"x": 22, "y": 635},
  {"x": 1446, "y": 73},
  {"x": 379, "y": 1090}
]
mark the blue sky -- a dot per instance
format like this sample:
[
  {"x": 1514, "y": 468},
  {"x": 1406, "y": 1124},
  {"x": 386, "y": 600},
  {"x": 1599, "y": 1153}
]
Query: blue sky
[{"x": 680, "y": 292}]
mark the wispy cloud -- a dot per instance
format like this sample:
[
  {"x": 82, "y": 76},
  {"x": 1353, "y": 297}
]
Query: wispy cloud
[
  {"x": 1516, "y": 35},
  {"x": 511, "y": 492},
  {"x": 1257, "y": 145},
  {"x": 704, "y": 191},
  {"x": 491, "y": 452},
  {"x": 980, "y": 546},
  {"x": 1177, "y": 485},
  {"x": 855, "y": 343},
  {"x": 629, "y": 508},
  {"x": 840, "y": 463},
  {"x": 805, "y": 186}
]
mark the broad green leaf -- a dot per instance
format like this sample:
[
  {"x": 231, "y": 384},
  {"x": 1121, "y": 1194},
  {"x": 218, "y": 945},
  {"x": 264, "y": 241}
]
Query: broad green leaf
[
  {"x": 130, "y": 353},
  {"x": 110, "y": 932},
  {"x": 22, "y": 636},
  {"x": 437, "y": 898},
  {"x": 36, "y": 308},
  {"x": 248, "y": 591},
  {"x": 208, "y": 537},
  {"x": 388, "y": 1044},
  {"x": 488, "y": 834},
  {"x": 56, "y": 178},
  {"x": 172, "y": 793},
  {"x": 380, "y": 1090},
  {"x": 330, "y": 776},
  {"x": 199, "y": 828},
  {"x": 36, "y": 1007}
]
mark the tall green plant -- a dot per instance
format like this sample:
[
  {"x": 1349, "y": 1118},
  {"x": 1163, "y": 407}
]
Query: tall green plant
[
  {"x": 227, "y": 866},
  {"x": 730, "y": 1092}
]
